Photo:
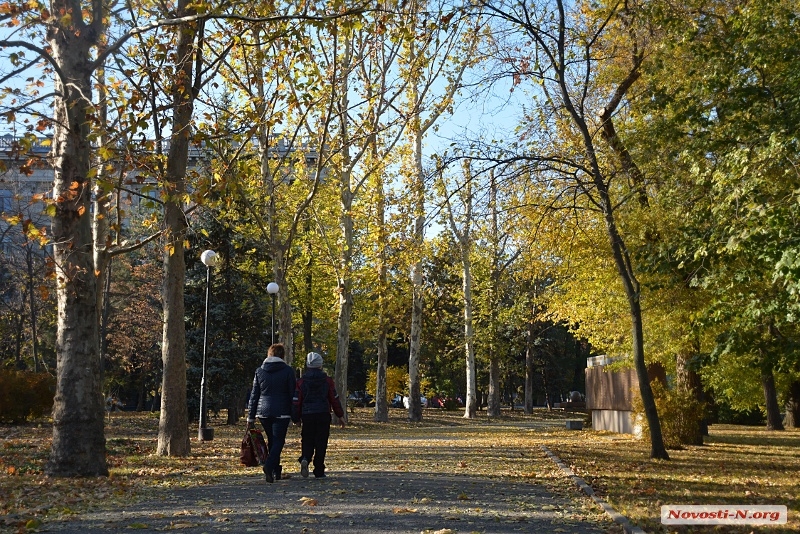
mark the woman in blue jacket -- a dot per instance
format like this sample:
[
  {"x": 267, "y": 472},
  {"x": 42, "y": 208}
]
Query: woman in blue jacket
[{"x": 271, "y": 402}]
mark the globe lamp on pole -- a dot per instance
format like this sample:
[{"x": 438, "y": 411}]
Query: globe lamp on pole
[
  {"x": 210, "y": 259},
  {"x": 272, "y": 289}
]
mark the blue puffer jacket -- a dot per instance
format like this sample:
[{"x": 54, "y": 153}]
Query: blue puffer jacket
[{"x": 273, "y": 389}]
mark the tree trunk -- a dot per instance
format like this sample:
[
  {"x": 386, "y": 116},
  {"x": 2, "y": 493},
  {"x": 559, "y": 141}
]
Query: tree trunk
[
  {"x": 493, "y": 405},
  {"x": 78, "y": 447},
  {"x": 689, "y": 381},
  {"x": 33, "y": 315},
  {"x": 343, "y": 337},
  {"x": 234, "y": 404},
  {"x": 284, "y": 305},
  {"x": 19, "y": 334},
  {"x": 418, "y": 208},
  {"x": 308, "y": 312},
  {"x": 632, "y": 291},
  {"x": 771, "y": 400},
  {"x": 471, "y": 404},
  {"x": 381, "y": 403},
  {"x": 173, "y": 427},
  {"x": 792, "y": 419},
  {"x": 529, "y": 401},
  {"x": 546, "y": 389},
  {"x": 345, "y": 288},
  {"x": 285, "y": 328},
  {"x": 657, "y": 448},
  {"x": 493, "y": 408},
  {"x": 601, "y": 197},
  {"x": 100, "y": 222},
  {"x": 415, "y": 345},
  {"x": 141, "y": 393}
]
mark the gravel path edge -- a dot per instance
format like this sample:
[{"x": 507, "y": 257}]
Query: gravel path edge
[{"x": 618, "y": 518}]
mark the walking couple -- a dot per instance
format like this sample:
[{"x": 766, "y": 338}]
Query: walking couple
[{"x": 278, "y": 398}]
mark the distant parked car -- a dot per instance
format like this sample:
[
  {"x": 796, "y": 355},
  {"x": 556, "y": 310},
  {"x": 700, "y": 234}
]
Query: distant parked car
[
  {"x": 360, "y": 399},
  {"x": 397, "y": 401},
  {"x": 422, "y": 399}
]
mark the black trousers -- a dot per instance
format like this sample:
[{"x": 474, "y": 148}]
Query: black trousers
[{"x": 314, "y": 440}]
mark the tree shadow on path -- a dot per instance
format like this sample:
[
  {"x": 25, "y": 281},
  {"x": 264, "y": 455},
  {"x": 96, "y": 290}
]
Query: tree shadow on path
[{"x": 354, "y": 502}]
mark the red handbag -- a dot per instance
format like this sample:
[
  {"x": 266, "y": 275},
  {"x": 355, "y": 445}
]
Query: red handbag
[{"x": 254, "y": 449}]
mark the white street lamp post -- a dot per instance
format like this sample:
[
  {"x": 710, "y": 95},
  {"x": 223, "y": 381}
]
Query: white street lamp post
[
  {"x": 209, "y": 259},
  {"x": 272, "y": 288}
]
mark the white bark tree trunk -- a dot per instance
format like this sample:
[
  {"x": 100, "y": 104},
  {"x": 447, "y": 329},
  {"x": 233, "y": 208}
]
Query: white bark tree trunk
[
  {"x": 529, "y": 369},
  {"x": 417, "y": 304},
  {"x": 345, "y": 290},
  {"x": 381, "y": 404},
  {"x": 345, "y": 274},
  {"x": 493, "y": 403},
  {"x": 471, "y": 404},
  {"x": 464, "y": 239}
]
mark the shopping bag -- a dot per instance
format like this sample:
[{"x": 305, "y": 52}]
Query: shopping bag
[
  {"x": 253, "y": 451},
  {"x": 247, "y": 454},
  {"x": 260, "y": 446}
]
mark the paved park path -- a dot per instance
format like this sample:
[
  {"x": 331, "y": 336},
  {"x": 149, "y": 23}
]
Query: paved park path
[
  {"x": 353, "y": 502},
  {"x": 376, "y": 484}
]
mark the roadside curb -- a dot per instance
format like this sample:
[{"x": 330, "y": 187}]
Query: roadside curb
[{"x": 618, "y": 518}]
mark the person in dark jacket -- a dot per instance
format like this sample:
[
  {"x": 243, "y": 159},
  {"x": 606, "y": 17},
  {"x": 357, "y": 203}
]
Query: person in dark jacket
[
  {"x": 315, "y": 396},
  {"x": 271, "y": 401}
]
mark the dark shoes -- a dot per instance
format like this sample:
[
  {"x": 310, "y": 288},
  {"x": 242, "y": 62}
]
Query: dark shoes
[
  {"x": 304, "y": 468},
  {"x": 268, "y": 475}
]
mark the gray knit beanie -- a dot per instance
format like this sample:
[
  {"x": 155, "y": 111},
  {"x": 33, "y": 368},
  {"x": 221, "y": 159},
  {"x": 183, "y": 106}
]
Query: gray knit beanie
[{"x": 314, "y": 360}]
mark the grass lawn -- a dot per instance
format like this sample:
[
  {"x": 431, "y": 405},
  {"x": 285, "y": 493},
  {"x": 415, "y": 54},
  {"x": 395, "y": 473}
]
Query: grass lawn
[{"x": 739, "y": 465}]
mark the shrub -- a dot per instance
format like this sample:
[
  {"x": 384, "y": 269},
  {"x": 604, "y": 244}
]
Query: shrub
[
  {"x": 723, "y": 413},
  {"x": 24, "y": 395},
  {"x": 679, "y": 413}
]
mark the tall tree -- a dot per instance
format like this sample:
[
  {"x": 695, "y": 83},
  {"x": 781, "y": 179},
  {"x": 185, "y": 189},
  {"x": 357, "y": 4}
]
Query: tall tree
[
  {"x": 78, "y": 412},
  {"x": 564, "y": 64},
  {"x": 463, "y": 236},
  {"x": 442, "y": 44},
  {"x": 361, "y": 57},
  {"x": 718, "y": 123},
  {"x": 280, "y": 72}
]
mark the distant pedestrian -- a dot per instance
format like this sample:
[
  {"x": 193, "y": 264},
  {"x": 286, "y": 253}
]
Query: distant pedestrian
[
  {"x": 271, "y": 401},
  {"x": 315, "y": 397}
]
